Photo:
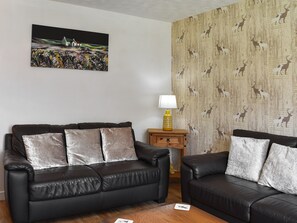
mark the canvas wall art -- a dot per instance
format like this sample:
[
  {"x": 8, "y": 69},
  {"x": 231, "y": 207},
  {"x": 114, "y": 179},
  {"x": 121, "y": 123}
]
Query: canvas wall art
[{"x": 67, "y": 48}]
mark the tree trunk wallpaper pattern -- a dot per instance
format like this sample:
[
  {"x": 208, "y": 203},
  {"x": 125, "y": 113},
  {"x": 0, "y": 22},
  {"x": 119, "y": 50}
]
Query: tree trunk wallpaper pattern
[{"x": 235, "y": 68}]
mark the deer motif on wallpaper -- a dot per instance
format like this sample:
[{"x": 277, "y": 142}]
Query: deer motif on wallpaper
[
  {"x": 281, "y": 17},
  {"x": 180, "y": 38},
  {"x": 239, "y": 25},
  {"x": 240, "y": 115},
  {"x": 240, "y": 70},
  {"x": 180, "y": 110},
  {"x": 282, "y": 67},
  {"x": 283, "y": 119},
  {"x": 221, "y": 90},
  {"x": 257, "y": 1},
  {"x": 207, "y": 71},
  {"x": 207, "y": 112},
  {"x": 192, "y": 91},
  {"x": 192, "y": 53},
  {"x": 222, "y": 9},
  {"x": 222, "y": 49},
  {"x": 259, "y": 91},
  {"x": 256, "y": 90},
  {"x": 260, "y": 44},
  {"x": 193, "y": 129},
  {"x": 221, "y": 133},
  {"x": 180, "y": 74},
  {"x": 192, "y": 18},
  {"x": 206, "y": 32}
]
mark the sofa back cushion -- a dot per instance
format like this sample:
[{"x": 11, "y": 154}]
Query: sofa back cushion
[
  {"x": 279, "y": 139},
  {"x": 19, "y": 130},
  {"x": 100, "y": 125}
]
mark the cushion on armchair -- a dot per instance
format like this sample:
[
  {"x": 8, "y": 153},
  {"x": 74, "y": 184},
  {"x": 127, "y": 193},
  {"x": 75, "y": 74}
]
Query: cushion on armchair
[
  {"x": 246, "y": 157},
  {"x": 280, "y": 169}
]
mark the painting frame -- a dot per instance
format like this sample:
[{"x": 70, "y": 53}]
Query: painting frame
[{"x": 53, "y": 47}]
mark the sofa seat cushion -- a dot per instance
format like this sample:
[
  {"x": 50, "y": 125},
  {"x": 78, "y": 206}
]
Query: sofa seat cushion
[
  {"x": 228, "y": 194},
  {"x": 64, "y": 182},
  {"x": 275, "y": 208},
  {"x": 124, "y": 174}
]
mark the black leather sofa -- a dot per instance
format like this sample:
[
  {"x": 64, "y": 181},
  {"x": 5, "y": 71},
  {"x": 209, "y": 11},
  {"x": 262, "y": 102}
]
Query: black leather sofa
[
  {"x": 205, "y": 185},
  {"x": 64, "y": 191}
]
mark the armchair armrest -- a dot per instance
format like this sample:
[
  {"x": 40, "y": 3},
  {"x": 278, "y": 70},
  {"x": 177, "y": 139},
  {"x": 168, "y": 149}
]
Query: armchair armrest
[
  {"x": 149, "y": 153},
  {"x": 15, "y": 161},
  {"x": 207, "y": 164},
  {"x": 197, "y": 166}
]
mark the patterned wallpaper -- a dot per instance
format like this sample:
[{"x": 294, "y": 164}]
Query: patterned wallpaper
[{"x": 235, "y": 67}]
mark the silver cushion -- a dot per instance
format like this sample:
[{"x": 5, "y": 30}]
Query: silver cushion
[
  {"x": 45, "y": 150},
  {"x": 118, "y": 144},
  {"x": 246, "y": 157},
  {"x": 280, "y": 169},
  {"x": 83, "y": 146}
]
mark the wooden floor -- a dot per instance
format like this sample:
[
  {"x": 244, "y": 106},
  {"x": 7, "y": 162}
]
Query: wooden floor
[{"x": 174, "y": 196}]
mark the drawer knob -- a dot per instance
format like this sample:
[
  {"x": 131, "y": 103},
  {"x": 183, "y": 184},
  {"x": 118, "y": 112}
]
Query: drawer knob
[{"x": 168, "y": 140}]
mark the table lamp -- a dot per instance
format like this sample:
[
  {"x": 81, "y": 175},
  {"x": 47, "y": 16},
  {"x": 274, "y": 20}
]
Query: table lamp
[{"x": 168, "y": 102}]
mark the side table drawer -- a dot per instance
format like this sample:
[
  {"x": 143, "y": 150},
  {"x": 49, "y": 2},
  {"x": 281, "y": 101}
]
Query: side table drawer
[{"x": 169, "y": 141}]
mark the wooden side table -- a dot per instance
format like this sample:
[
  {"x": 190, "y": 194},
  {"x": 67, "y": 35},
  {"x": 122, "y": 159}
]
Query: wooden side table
[{"x": 176, "y": 139}]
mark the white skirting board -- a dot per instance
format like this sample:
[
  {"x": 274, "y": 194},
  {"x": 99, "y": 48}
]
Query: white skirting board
[{"x": 2, "y": 197}]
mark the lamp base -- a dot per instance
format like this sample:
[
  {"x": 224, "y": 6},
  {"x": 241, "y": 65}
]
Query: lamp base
[{"x": 167, "y": 121}]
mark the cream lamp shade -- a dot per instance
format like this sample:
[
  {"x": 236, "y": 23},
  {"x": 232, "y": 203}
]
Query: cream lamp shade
[{"x": 167, "y": 102}]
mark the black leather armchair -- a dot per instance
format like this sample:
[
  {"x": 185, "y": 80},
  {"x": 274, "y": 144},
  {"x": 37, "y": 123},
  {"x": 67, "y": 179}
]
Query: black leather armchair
[
  {"x": 205, "y": 185},
  {"x": 34, "y": 195}
]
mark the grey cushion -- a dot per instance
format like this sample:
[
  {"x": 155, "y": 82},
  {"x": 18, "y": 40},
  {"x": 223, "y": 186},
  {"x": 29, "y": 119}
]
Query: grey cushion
[
  {"x": 118, "y": 144},
  {"x": 45, "y": 150},
  {"x": 246, "y": 157},
  {"x": 280, "y": 169},
  {"x": 83, "y": 146}
]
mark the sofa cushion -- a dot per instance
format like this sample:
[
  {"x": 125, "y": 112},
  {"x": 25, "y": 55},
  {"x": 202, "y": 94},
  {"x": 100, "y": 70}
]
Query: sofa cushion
[
  {"x": 118, "y": 144},
  {"x": 246, "y": 157},
  {"x": 19, "y": 130},
  {"x": 228, "y": 194},
  {"x": 280, "y": 169},
  {"x": 274, "y": 209},
  {"x": 64, "y": 182},
  {"x": 124, "y": 174},
  {"x": 45, "y": 150},
  {"x": 83, "y": 146}
]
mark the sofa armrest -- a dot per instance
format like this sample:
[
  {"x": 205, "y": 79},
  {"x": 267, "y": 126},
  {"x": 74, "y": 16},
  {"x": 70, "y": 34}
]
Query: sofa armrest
[
  {"x": 15, "y": 161},
  {"x": 149, "y": 153},
  {"x": 206, "y": 164}
]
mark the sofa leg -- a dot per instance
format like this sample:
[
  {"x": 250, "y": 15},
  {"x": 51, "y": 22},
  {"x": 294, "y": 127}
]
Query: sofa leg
[{"x": 162, "y": 200}]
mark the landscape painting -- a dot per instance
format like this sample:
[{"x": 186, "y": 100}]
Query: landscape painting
[{"x": 67, "y": 48}]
